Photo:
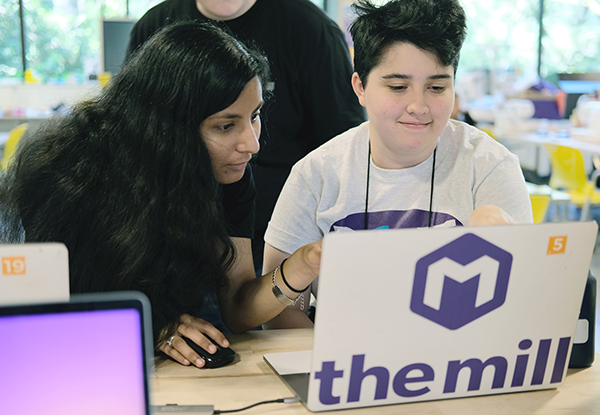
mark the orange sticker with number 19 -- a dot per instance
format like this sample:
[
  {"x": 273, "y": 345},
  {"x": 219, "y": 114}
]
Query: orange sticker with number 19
[
  {"x": 13, "y": 265},
  {"x": 557, "y": 245}
]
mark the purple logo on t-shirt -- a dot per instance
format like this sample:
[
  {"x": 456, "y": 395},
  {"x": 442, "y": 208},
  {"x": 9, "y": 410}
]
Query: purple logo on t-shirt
[
  {"x": 394, "y": 219},
  {"x": 461, "y": 281}
]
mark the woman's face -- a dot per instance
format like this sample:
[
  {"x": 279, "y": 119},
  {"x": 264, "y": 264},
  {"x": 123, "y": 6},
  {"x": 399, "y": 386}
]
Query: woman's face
[{"x": 231, "y": 136}]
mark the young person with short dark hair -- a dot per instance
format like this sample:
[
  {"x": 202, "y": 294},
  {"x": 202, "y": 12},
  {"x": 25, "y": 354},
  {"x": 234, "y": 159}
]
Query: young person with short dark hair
[{"x": 409, "y": 166}]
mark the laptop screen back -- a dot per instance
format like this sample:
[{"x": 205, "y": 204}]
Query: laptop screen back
[
  {"x": 34, "y": 273},
  {"x": 446, "y": 313},
  {"x": 74, "y": 358}
]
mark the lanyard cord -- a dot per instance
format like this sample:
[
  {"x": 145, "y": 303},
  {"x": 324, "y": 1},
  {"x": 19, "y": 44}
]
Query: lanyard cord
[
  {"x": 366, "y": 225},
  {"x": 366, "y": 218},
  {"x": 431, "y": 191}
]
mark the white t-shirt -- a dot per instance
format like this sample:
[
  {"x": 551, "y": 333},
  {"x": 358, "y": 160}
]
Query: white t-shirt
[{"x": 326, "y": 190}]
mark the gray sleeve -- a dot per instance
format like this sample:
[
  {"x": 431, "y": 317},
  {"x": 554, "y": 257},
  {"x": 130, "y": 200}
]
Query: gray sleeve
[
  {"x": 293, "y": 223},
  {"x": 504, "y": 186}
]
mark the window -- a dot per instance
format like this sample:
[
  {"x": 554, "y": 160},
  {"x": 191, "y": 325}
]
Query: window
[
  {"x": 572, "y": 37},
  {"x": 501, "y": 35},
  {"x": 504, "y": 37},
  {"x": 10, "y": 41},
  {"x": 501, "y": 47},
  {"x": 61, "y": 37},
  {"x": 62, "y": 40}
]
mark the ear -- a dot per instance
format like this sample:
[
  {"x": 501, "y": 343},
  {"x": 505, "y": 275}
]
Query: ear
[{"x": 359, "y": 88}]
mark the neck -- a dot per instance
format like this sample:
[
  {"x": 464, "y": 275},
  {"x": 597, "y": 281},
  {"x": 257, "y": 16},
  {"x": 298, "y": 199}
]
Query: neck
[
  {"x": 399, "y": 154},
  {"x": 385, "y": 158}
]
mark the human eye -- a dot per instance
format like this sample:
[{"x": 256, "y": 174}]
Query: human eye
[
  {"x": 255, "y": 116},
  {"x": 398, "y": 88},
  {"x": 225, "y": 127},
  {"x": 438, "y": 89}
]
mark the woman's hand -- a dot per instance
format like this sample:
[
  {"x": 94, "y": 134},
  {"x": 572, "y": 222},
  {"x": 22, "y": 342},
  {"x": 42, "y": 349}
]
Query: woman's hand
[
  {"x": 302, "y": 267},
  {"x": 490, "y": 215},
  {"x": 196, "y": 330}
]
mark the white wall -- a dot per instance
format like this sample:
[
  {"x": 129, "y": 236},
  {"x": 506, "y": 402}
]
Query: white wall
[{"x": 40, "y": 97}]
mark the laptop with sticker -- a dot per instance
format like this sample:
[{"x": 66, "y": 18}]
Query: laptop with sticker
[
  {"x": 34, "y": 273},
  {"x": 91, "y": 355},
  {"x": 412, "y": 315}
]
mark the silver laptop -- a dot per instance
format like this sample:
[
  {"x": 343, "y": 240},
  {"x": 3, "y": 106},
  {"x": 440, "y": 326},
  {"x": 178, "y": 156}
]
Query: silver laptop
[
  {"x": 34, "y": 273},
  {"x": 413, "y": 315},
  {"x": 91, "y": 355}
]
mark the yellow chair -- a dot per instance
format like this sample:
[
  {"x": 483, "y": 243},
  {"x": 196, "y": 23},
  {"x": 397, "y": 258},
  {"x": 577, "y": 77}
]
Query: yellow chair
[
  {"x": 539, "y": 205},
  {"x": 568, "y": 174},
  {"x": 11, "y": 145},
  {"x": 560, "y": 201}
]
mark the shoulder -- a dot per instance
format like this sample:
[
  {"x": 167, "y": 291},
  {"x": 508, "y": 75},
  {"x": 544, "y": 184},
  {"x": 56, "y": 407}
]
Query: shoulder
[
  {"x": 342, "y": 150},
  {"x": 159, "y": 16},
  {"x": 300, "y": 8},
  {"x": 303, "y": 16},
  {"x": 462, "y": 138},
  {"x": 168, "y": 10},
  {"x": 333, "y": 164},
  {"x": 160, "y": 10}
]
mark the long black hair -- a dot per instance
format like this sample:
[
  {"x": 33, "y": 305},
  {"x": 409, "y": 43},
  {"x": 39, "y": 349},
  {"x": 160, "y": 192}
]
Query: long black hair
[{"x": 125, "y": 180}]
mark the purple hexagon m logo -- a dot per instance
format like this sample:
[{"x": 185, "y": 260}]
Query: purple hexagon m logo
[{"x": 461, "y": 281}]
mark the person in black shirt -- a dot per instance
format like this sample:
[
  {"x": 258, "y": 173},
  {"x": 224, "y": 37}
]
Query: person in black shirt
[
  {"x": 148, "y": 186},
  {"x": 313, "y": 99}
]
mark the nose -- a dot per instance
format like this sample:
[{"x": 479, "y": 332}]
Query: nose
[
  {"x": 417, "y": 104},
  {"x": 249, "y": 139}
]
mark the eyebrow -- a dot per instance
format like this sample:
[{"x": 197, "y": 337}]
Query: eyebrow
[
  {"x": 409, "y": 77},
  {"x": 232, "y": 116}
]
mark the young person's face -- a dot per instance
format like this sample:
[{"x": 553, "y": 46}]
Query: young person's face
[
  {"x": 409, "y": 97},
  {"x": 231, "y": 136},
  {"x": 224, "y": 9}
]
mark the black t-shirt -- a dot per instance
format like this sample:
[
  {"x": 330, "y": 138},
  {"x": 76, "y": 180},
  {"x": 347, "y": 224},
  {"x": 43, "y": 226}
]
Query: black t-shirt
[
  {"x": 238, "y": 205},
  {"x": 313, "y": 100}
]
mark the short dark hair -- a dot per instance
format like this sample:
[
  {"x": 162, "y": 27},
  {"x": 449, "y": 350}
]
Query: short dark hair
[{"x": 436, "y": 26}]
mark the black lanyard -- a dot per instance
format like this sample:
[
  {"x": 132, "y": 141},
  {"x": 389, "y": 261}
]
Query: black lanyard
[{"x": 366, "y": 220}]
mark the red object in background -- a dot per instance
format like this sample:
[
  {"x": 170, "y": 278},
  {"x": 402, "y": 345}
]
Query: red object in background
[{"x": 561, "y": 101}]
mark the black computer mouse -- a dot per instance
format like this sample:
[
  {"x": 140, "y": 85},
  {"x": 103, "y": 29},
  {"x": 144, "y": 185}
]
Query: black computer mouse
[{"x": 222, "y": 357}]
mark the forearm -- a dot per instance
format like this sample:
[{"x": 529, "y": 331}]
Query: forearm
[
  {"x": 488, "y": 215},
  {"x": 252, "y": 305},
  {"x": 290, "y": 318},
  {"x": 248, "y": 302}
]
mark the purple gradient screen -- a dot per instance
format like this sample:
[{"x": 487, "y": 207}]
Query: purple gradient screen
[{"x": 84, "y": 362}]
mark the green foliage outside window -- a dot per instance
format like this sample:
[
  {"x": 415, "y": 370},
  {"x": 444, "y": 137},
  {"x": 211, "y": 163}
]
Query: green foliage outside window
[
  {"x": 10, "y": 41},
  {"x": 501, "y": 35},
  {"x": 572, "y": 37},
  {"x": 59, "y": 40},
  {"x": 62, "y": 37}
]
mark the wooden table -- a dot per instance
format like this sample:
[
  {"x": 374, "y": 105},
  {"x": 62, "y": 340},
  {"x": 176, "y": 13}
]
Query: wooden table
[{"x": 249, "y": 380}]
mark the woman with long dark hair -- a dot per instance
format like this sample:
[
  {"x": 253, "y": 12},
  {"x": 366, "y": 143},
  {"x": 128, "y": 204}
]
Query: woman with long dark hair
[{"x": 148, "y": 186}]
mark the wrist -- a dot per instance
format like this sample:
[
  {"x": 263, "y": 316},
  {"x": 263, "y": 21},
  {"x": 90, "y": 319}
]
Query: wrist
[
  {"x": 287, "y": 284},
  {"x": 281, "y": 296}
]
